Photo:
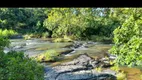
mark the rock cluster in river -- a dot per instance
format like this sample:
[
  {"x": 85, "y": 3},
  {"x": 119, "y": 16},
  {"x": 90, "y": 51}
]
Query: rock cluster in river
[
  {"x": 17, "y": 36},
  {"x": 81, "y": 68}
]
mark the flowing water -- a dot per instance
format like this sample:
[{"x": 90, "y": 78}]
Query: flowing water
[
  {"x": 38, "y": 46},
  {"x": 34, "y": 47}
]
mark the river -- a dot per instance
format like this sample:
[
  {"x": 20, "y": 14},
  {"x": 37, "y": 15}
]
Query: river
[
  {"x": 37, "y": 46},
  {"x": 33, "y": 47}
]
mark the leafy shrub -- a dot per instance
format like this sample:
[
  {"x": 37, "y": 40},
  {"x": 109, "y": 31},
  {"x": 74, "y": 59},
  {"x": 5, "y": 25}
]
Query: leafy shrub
[
  {"x": 128, "y": 42},
  {"x": 7, "y": 33},
  {"x": 45, "y": 34},
  {"x": 3, "y": 43},
  {"x": 36, "y": 35},
  {"x": 65, "y": 39},
  {"x": 50, "y": 55},
  {"x": 12, "y": 32},
  {"x": 15, "y": 66},
  {"x": 28, "y": 36}
]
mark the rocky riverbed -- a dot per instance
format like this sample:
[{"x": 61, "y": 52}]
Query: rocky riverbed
[
  {"x": 82, "y": 68},
  {"x": 82, "y": 60}
]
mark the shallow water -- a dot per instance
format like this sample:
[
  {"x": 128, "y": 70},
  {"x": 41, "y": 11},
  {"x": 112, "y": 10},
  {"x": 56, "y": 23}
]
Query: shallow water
[
  {"x": 94, "y": 49},
  {"x": 34, "y": 46},
  {"x": 37, "y": 46},
  {"x": 132, "y": 73}
]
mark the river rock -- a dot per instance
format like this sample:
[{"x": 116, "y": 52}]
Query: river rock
[
  {"x": 18, "y": 36},
  {"x": 67, "y": 51},
  {"x": 111, "y": 57},
  {"x": 81, "y": 68},
  {"x": 17, "y": 47},
  {"x": 82, "y": 60},
  {"x": 77, "y": 44},
  {"x": 78, "y": 75}
]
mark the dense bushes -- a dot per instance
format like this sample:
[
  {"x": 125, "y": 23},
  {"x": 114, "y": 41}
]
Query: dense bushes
[
  {"x": 128, "y": 41},
  {"x": 37, "y": 35},
  {"x": 23, "y": 20},
  {"x": 7, "y": 33},
  {"x": 64, "y": 39},
  {"x": 80, "y": 23},
  {"x": 3, "y": 43},
  {"x": 16, "y": 66}
]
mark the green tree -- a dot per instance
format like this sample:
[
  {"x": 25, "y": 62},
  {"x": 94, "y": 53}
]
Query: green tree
[
  {"x": 22, "y": 19},
  {"x": 80, "y": 22},
  {"x": 63, "y": 21},
  {"x": 128, "y": 40}
]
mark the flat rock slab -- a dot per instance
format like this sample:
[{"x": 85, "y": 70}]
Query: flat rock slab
[{"x": 81, "y": 68}]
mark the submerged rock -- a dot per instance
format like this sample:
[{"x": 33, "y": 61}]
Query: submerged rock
[{"x": 81, "y": 68}]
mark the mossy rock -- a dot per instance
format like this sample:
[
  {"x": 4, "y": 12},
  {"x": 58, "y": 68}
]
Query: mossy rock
[{"x": 48, "y": 56}]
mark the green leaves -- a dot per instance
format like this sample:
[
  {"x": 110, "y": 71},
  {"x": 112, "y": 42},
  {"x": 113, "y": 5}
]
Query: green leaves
[
  {"x": 20, "y": 19},
  {"x": 15, "y": 66},
  {"x": 7, "y": 33},
  {"x": 80, "y": 22},
  {"x": 128, "y": 42},
  {"x": 3, "y": 43}
]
